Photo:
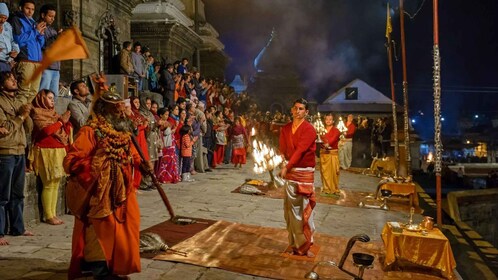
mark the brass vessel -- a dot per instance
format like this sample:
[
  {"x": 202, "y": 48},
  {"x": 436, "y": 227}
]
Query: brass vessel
[{"x": 427, "y": 223}]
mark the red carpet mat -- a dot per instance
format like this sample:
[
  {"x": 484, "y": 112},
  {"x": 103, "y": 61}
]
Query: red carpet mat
[
  {"x": 173, "y": 234},
  {"x": 348, "y": 198},
  {"x": 256, "y": 250}
]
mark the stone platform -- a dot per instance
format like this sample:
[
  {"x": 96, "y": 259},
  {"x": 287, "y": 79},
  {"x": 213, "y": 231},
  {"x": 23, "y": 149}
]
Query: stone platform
[{"x": 47, "y": 254}]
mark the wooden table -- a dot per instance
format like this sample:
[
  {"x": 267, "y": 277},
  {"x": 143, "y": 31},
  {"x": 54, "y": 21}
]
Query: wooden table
[
  {"x": 403, "y": 189},
  {"x": 432, "y": 251}
]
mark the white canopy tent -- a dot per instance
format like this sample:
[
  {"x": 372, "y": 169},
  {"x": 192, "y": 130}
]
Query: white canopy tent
[{"x": 358, "y": 97}]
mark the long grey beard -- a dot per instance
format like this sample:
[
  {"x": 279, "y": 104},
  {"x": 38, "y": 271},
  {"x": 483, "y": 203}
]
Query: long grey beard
[{"x": 120, "y": 123}]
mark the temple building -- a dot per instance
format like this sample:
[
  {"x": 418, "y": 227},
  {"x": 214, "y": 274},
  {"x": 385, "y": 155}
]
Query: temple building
[
  {"x": 172, "y": 29},
  {"x": 171, "y": 32},
  {"x": 276, "y": 84},
  {"x": 238, "y": 85}
]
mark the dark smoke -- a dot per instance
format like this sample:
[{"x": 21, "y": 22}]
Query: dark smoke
[{"x": 331, "y": 42}]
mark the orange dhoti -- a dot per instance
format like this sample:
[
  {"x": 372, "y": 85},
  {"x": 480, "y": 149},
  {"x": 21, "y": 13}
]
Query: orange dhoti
[{"x": 329, "y": 171}]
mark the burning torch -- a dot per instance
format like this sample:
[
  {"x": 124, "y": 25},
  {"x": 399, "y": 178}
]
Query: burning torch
[
  {"x": 265, "y": 159},
  {"x": 319, "y": 127},
  {"x": 342, "y": 127}
]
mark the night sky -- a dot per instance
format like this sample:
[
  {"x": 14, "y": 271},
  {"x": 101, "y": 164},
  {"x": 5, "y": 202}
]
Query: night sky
[{"x": 336, "y": 41}]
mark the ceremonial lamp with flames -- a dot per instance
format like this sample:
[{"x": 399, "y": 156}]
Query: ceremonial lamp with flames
[
  {"x": 342, "y": 127},
  {"x": 319, "y": 127},
  {"x": 265, "y": 158}
]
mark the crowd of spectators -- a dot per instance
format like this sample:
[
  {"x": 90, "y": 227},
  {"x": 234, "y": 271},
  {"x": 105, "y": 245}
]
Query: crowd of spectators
[
  {"x": 197, "y": 125},
  {"x": 25, "y": 109}
]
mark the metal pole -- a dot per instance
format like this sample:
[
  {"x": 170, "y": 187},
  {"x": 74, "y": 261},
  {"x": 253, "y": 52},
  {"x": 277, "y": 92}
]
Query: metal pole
[
  {"x": 405, "y": 91},
  {"x": 393, "y": 97},
  {"x": 437, "y": 111},
  {"x": 197, "y": 29}
]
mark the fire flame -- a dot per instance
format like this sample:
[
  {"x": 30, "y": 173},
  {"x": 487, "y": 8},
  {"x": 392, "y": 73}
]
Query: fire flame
[
  {"x": 318, "y": 124},
  {"x": 341, "y": 126},
  {"x": 430, "y": 157},
  {"x": 265, "y": 158}
]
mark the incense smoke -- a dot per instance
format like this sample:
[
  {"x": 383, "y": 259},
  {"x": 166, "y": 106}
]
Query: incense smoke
[{"x": 329, "y": 42}]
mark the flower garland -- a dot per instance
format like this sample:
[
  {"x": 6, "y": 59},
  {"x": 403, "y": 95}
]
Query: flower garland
[{"x": 116, "y": 144}]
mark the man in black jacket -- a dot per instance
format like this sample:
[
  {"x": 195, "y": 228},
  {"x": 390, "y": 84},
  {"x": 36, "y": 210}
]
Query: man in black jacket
[{"x": 168, "y": 85}]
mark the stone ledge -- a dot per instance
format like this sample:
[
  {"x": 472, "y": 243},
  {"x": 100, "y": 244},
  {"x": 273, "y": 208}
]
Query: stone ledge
[{"x": 32, "y": 199}]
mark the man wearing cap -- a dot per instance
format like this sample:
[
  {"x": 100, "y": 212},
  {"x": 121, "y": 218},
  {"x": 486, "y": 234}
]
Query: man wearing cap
[
  {"x": 8, "y": 47},
  {"x": 103, "y": 161}
]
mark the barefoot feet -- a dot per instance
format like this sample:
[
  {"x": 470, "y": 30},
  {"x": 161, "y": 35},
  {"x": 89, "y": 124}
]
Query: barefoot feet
[
  {"x": 53, "y": 221},
  {"x": 3, "y": 241}
]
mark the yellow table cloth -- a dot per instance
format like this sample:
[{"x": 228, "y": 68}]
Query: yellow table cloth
[{"x": 432, "y": 251}]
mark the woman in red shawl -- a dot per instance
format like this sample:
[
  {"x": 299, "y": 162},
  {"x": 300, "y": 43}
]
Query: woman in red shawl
[
  {"x": 239, "y": 143},
  {"x": 141, "y": 124},
  {"x": 51, "y": 137}
]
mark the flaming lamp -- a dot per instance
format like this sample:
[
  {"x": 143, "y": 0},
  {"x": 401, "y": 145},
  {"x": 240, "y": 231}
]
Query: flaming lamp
[
  {"x": 319, "y": 127},
  {"x": 265, "y": 159},
  {"x": 342, "y": 127}
]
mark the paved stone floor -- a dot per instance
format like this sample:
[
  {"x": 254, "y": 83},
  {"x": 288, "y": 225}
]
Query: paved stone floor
[{"x": 46, "y": 255}]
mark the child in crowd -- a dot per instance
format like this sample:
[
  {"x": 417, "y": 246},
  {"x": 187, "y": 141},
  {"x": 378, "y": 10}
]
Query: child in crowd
[
  {"x": 221, "y": 142},
  {"x": 186, "y": 151},
  {"x": 239, "y": 143}
]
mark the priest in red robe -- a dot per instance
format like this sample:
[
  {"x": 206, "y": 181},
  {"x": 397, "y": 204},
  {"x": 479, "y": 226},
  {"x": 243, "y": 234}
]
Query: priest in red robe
[{"x": 297, "y": 145}]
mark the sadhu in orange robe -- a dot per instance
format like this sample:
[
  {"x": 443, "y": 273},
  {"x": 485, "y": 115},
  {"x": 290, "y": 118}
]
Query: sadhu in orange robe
[{"x": 110, "y": 230}]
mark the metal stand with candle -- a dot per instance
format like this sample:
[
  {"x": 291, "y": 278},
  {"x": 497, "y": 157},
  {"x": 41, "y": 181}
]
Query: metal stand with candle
[
  {"x": 319, "y": 127},
  {"x": 342, "y": 128}
]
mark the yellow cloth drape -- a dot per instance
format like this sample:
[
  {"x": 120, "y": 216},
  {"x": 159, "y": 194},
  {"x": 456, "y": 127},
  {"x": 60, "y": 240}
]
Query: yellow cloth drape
[
  {"x": 329, "y": 171},
  {"x": 404, "y": 189},
  {"x": 433, "y": 250}
]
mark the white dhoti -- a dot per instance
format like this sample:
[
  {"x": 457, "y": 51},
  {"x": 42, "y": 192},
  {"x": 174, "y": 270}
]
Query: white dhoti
[
  {"x": 346, "y": 153},
  {"x": 299, "y": 202}
]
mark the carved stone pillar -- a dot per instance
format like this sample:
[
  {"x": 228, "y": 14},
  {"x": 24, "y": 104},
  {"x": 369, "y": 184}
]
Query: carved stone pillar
[{"x": 109, "y": 45}]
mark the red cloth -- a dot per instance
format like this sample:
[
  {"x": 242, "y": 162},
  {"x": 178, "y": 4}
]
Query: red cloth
[
  {"x": 239, "y": 156},
  {"x": 218, "y": 155},
  {"x": 142, "y": 142},
  {"x": 178, "y": 137},
  {"x": 351, "y": 130},
  {"x": 45, "y": 138},
  {"x": 298, "y": 148},
  {"x": 167, "y": 171},
  {"x": 332, "y": 138}
]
